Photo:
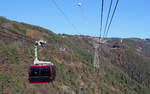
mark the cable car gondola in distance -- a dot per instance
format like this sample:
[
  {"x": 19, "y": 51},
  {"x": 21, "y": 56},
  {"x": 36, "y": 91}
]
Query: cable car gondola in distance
[{"x": 41, "y": 71}]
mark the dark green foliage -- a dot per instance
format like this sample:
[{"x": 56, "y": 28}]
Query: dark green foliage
[
  {"x": 119, "y": 79},
  {"x": 136, "y": 66},
  {"x": 67, "y": 58},
  {"x": 11, "y": 52},
  {"x": 28, "y": 52},
  {"x": 5, "y": 80},
  {"x": 17, "y": 87}
]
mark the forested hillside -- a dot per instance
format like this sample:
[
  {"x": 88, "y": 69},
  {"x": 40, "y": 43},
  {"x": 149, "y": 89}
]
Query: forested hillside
[{"x": 124, "y": 64}]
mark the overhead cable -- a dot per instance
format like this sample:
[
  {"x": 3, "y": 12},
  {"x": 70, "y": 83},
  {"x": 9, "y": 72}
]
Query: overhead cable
[
  {"x": 109, "y": 11},
  {"x": 65, "y": 15},
  {"x": 112, "y": 17},
  {"x": 101, "y": 20}
]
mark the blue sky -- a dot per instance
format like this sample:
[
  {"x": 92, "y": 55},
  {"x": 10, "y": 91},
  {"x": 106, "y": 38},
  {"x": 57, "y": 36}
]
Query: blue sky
[{"x": 132, "y": 18}]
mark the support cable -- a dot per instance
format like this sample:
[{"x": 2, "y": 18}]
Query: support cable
[
  {"x": 112, "y": 18},
  {"x": 101, "y": 20},
  {"x": 65, "y": 15},
  {"x": 108, "y": 17}
]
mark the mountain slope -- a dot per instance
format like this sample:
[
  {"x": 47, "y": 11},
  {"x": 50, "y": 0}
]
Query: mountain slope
[{"x": 74, "y": 66}]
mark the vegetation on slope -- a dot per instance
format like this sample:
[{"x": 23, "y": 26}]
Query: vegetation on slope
[{"x": 75, "y": 73}]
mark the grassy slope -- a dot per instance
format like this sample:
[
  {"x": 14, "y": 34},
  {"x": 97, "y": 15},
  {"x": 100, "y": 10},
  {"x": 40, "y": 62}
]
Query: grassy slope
[{"x": 75, "y": 73}]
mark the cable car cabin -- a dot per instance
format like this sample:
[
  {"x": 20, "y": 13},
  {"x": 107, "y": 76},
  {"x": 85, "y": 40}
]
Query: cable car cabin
[{"x": 42, "y": 74}]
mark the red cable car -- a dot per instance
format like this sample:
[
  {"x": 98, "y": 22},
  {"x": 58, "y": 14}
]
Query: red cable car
[{"x": 42, "y": 74}]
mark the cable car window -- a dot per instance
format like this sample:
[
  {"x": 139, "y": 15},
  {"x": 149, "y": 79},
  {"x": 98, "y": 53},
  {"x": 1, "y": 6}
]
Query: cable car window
[
  {"x": 34, "y": 71},
  {"x": 39, "y": 71},
  {"x": 44, "y": 71}
]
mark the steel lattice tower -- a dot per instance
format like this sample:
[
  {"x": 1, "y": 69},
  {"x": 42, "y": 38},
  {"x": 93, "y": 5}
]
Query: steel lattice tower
[{"x": 96, "y": 56}]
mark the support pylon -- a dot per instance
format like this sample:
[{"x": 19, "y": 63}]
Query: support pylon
[{"x": 96, "y": 56}]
